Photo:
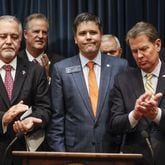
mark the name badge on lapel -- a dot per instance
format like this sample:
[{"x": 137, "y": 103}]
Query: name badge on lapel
[{"x": 73, "y": 69}]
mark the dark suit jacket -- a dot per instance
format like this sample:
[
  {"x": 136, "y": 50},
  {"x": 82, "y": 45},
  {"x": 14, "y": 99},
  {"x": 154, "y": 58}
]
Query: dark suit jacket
[
  {"x": 31, "y": 86},
  {"x": 52, "y": 57},
  {"x": 128, "y": 87},
  {"x": 73, "y": 127}
]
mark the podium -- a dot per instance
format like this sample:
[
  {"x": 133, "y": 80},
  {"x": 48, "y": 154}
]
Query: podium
[{"x": 75, "y": 158}]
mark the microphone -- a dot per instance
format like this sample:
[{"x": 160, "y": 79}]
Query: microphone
[
  {"x": 122, "y": 143},
  {"x": 18, "y": 136},
  {"x": 146, "y": 136}
]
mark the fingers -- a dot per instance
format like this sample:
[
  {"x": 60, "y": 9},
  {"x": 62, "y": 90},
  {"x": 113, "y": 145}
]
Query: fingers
[
  {"x": 13, "y": 112},
  {"x": 19, "y": 127},
  {"x": 45, "y": 60},
  {"x": 26, "y": 125},
  {"x": 147, "y": 105}
]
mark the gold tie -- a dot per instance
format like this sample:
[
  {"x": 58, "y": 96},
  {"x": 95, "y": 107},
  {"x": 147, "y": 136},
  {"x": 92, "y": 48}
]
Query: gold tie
[
  {"x": 148, "y": 83},
  {"x": 93, "y": 87}
]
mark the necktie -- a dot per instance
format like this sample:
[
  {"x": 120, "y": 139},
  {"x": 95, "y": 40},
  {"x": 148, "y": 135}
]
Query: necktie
[
  {"x": 35, "y": 61},
  {"x": 8, "y": 80},
  {"x": 148, "y": 83},
  {"x": 93, "y": 87}
]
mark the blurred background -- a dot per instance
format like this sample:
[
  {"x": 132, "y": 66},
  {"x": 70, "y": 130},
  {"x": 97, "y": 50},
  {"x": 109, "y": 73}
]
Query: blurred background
[{"x": 117, "y": 16}]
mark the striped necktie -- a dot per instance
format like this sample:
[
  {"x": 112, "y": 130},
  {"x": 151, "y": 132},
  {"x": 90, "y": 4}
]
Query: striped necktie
[{"x": 148, "y": 84}]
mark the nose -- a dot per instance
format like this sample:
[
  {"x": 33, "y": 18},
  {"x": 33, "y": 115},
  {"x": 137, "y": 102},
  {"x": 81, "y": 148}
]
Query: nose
[
  {"x": 8, "y": 39},
  {"x": 88, "y": 36},
  {"x": 40, "y": 34},
  {"x": 139, "y": 54}
]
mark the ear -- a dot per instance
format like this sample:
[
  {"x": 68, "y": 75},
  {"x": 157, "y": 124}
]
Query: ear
[
  {"x": 121, "y": 51},
  {"x": 25, "y": 34},
  {"x": 158, "y": 45},
  {"x": 75, "y": 39}
]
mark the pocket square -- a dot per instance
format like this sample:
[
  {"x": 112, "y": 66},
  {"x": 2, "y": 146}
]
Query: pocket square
[{"x": 163, "y": 75}]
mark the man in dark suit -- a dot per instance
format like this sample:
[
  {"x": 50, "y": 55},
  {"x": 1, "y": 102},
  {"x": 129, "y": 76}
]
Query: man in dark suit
[
  {"x": 74, "y": 126},
  {"x": 138, "y": 103},
  {"x": 24, "y": 98},
  {"x": 36, "y": 35}
]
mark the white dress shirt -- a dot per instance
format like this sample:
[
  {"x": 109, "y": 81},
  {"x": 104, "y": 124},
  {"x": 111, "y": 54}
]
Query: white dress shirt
[
  {"x": 155, "y": 73},
  {"x": 97, "y": 68}
]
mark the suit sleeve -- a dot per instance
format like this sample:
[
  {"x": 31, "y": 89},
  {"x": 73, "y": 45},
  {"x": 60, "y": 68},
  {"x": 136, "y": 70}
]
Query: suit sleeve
[
  {"x": 55, "y": 133},
  {"x": 119, "y": 121},
  {"x": 41, "y": 97}
]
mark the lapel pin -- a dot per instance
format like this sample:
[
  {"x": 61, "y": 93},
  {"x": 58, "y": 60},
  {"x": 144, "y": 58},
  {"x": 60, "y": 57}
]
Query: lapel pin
[
  {"x": 163, "y": 75},
  {"x": 23, "y": 72},
  {"x": 108, "y": 65}
]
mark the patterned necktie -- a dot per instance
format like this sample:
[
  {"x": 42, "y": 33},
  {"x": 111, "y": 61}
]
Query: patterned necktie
[
  {"x": 148, "y": 84},
  {"x": 8, "y": 80},
  {"x": 35, "y": 61},
  {"x": 93, "y": 87}
]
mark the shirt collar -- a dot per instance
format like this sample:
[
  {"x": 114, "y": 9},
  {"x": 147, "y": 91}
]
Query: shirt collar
[
  {"x": 13, "y": 63},
  {"x": 85, "y": 60},
  {"x": 31, "y": 58},
  {"x": 156, "y": 71}
]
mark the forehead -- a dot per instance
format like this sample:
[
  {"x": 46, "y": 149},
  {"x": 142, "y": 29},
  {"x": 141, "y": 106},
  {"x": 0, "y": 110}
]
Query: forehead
[
  {"x": 38, "y": 24},
  {"x": 87, "y": 26},
  {"x": 139, "y": 41},
  {"x": 109, "y": 42},
  {"x": 7, "y": 26}
]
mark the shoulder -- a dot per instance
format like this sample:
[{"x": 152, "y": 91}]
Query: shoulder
[
  {"x": 71, "y": 61},
  {"x": 128, "y": 73},
  {"x": 114, "y": 60}
]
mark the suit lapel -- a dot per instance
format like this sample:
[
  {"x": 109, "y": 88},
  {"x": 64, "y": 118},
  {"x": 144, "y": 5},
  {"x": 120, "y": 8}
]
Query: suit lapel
[
  {"x": 161, "y": 80},
  {"x": 3, "y": 93},
  {"x": 80, "y": 83},
  {"x": 137, "y": 82},
  {"x": 105, "y": 80},
  {"x": 21, "y": 73}
]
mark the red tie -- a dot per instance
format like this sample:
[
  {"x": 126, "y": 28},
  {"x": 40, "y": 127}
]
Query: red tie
[
  {"x": 8, "y": 80},
  {"x": 93, "y": 87}
]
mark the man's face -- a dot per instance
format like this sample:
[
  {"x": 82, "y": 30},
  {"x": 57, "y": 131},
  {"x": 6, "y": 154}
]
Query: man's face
[
  {"x": 88, "y": 39},
  {"x": 36, "y": 35},
  {"x": 9, "y": 40},
  {"x": 109, "y": 47},
  {"x": 145, "y": 53}
]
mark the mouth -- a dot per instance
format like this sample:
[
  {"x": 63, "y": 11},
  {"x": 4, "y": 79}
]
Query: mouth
[{"x": 8, "y": 49}]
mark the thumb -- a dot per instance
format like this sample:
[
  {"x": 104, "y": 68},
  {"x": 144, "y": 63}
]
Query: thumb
[
  {"x": 158, "y": 95},
  {"x": 21, "y": 102},
  {"x": 37, "y": 120}
]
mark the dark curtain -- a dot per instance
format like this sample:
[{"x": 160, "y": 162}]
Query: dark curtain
[{"x": 118, "y": 16}]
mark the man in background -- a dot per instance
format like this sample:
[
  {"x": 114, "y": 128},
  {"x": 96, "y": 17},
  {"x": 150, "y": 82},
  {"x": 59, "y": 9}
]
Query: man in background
[
  {"x": 36, "y": 36},
  {"x": 110, "y": 45}
]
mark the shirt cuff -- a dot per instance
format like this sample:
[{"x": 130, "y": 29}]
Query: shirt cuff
[
  {"x": 158, "y": 116},
  {"x": 132, "y": 120}
]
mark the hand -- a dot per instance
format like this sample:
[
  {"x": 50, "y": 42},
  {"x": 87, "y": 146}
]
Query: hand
[
  {"x": 25, "y": 125},
  {"x": 146, "y": 105},
  {"x": 45, "y": 63},
  {"x": 13, "y": 112},
  {"x": 151, "y": 105},
  {"x": 139, "y": 106}
]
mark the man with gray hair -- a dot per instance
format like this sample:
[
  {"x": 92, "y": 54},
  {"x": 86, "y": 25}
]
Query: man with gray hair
[
  {"x": 110, "y": 45},
  {"x": 24, "y": 97}
]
